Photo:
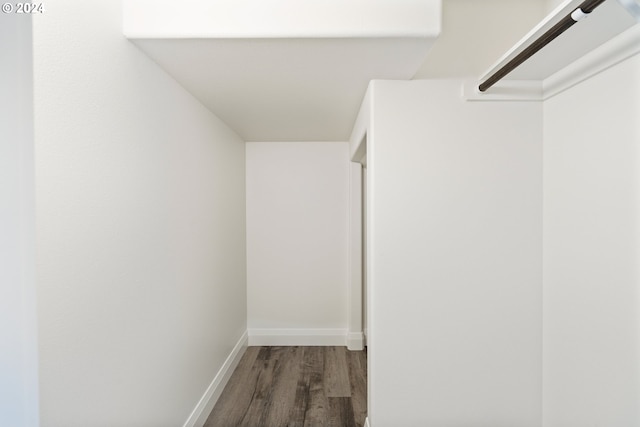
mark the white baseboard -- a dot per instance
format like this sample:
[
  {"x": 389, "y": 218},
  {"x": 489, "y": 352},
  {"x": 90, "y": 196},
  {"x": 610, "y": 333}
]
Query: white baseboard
[
  {"x": 355, "y": 341},
  {"x": 204, "y": 407},
  {"x": 289, "y": 337},
  {"x": 366, "y": 422}
]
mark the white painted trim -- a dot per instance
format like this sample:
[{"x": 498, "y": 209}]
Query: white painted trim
[
  {"x": 366, "y": 422},
  {"x": 355, "y": 341},
  {"x": 357, "y": 141},
  {"x": 354, "y": 338},
  {"x": 204, "y": 407},
  {"x": 504, "y": 90},
  {"x": 370, "y": 253},
  {"x": 566, "y": 7},
  {"x": 360, "y": 153},
  {"x": 305, "y": 337},
  {"x": 614, "y": 51}
]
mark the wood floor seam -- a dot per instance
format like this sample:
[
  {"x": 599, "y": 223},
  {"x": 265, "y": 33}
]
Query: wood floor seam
[{"x": 294, "y": 387}]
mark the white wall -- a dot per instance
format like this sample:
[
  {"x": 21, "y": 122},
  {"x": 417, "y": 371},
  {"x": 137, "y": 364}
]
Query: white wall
[
  {"x": 140, "y": 224},
  {"x": 475, "y": 34},
  {"x": 297, "y": 242},
  {"x": 454, "y": 229},
  {"x": 550, "y": 5},
  {"x": 18, "y": 343},
  {"x": 591, "y": 250}
]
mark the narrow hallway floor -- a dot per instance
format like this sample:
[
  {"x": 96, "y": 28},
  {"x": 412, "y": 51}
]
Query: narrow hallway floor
[{"x": 295, "y": 386}]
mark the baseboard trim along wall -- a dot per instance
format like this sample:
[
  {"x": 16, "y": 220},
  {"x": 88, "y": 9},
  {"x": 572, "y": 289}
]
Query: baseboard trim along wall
[
  {"x": 310, "y": 337},
  {"x": 355, "y": 341},
  {"x": 204, "y": 407},
  {"x": 366, "y": 422}
]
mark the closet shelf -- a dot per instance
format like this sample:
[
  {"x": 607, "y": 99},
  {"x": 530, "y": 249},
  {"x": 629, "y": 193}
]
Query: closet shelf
[{"x": 604, "y": 23}]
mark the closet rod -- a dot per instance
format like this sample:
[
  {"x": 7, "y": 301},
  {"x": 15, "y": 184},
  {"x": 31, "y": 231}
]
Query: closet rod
[{"x": 579, "y": 13}]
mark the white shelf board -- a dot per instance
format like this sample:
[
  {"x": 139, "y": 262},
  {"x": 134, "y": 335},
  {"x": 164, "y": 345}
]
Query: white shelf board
[{"x": 604, "y": 23}]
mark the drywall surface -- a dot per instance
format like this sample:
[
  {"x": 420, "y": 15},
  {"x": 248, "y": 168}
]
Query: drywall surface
[
  {"x": 286, "y": 89},
  {"x": 297, "y": 237},
  {"x": 591, "y": 250},
  {"x": 18, "y": 342},
  {"x": 551, "y": 5},
  {"x": 281, "y": 18},
  {"x": 140, "y": 222},
  {"x": 267, "y": 68},
  {"x": 454, "y": 258},
  {"x": 494, "y": 25}
]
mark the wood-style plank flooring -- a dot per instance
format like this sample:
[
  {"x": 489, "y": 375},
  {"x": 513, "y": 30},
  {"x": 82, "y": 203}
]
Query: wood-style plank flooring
[{"x": 295, "y": 387}]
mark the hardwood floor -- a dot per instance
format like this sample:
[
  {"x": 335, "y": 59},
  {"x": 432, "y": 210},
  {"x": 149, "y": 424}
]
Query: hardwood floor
[{"x": 295, "y": 387}]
